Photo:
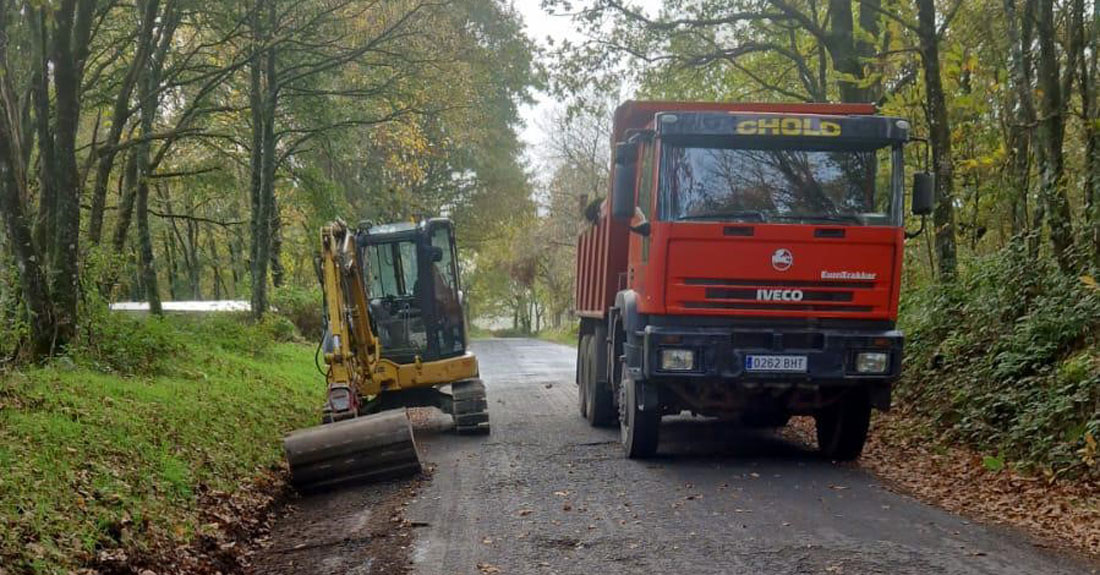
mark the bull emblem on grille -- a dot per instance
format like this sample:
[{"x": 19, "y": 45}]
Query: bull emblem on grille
[{"x": 782, "y": 259}]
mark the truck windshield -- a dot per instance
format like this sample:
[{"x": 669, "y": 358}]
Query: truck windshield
[{"x": 789, "y": 185}]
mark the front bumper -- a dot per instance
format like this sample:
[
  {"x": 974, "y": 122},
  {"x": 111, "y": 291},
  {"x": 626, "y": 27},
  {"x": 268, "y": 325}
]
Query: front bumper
[{"x": 720, "y": 353}]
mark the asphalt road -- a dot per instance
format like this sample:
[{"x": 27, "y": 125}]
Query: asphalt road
[{"x": 546, "y": 494}]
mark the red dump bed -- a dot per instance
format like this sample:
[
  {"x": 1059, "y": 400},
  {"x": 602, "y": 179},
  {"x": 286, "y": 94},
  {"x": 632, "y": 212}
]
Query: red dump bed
[{"x": 602, "y": 247}]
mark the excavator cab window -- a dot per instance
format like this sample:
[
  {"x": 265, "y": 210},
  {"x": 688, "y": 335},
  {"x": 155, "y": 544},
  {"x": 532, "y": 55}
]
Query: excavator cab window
[
  {"x": 414, "y": 291},
  {"x": 395, "y": 308},
  {"x": 448, "y": 308}
]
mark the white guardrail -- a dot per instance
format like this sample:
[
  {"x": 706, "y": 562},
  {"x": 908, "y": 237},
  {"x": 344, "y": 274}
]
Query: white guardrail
[{"x": 185, "y": 306}]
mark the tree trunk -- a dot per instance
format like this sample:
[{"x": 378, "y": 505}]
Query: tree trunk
[
  {"x": 171, "y": 266},
  {"x": 1022, "y": 119},
  {"x": 1050, "y": 135},
  {"x": 869, "y": 23},
  {"x": 939, "y": 126},
  {"x": 1088, "y": 70},
  {"x": 126, "y": 202},
  {"x": 70, "y": 46},
  {"x": 278, "y": 274},
  {"x": 219, "y": 284},
  {"x": 845, "y": 53},
  {"x": 147, "y": 83},
  {"x": 47, "y": 166},
  {"x": 28, "y": 261},
  {"x": 263, "y": 98},
  {"x": 119, "y": 116}
]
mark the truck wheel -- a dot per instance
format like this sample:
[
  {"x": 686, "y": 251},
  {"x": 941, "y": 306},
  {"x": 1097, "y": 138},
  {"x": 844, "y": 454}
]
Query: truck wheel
[
  {"x": 582, "y": 375},
  {"x": 600, "y": 404},
  {"x": 842, "y": 427},
  {"x": 639, "y": 429}
]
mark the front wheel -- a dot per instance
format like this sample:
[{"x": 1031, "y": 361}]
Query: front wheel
[
  {"x": 842, "y": 427},
  {"x": 639, "y": 429}
]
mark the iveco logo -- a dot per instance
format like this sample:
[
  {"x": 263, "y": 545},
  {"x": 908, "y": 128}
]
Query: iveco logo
[
  {"x": 779, "y": 294},
  {"x": 782, "y": 259}
]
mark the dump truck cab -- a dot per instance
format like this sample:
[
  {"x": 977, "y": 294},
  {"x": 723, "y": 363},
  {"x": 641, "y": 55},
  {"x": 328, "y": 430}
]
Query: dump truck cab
[{"x": 746, "y": 266}]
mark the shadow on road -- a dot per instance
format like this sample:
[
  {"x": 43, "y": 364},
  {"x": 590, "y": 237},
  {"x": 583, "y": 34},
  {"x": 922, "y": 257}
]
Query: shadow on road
[{"x": 691, "y": 438}]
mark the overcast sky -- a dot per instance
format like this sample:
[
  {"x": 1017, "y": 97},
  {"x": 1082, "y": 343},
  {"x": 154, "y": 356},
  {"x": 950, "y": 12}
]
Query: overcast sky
[{"x": 541, "y": 25}]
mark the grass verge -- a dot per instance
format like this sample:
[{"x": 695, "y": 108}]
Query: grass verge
[
  {"x": 96, "y": 461},
  {"x": 564, "y": 336}
]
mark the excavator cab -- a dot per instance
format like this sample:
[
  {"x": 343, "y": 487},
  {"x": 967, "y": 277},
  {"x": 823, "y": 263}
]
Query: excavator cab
[{"x": 415, "y": 299}]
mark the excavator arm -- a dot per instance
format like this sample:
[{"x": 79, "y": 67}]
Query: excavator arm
[{"x": 354, "y": 351}]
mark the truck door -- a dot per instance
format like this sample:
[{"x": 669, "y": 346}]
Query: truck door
[{"x": 645, "y": 200}]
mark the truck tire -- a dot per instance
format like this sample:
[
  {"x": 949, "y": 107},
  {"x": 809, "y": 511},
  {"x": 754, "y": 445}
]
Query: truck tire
[
  {"x": 639, "y": 430},
  {"x": 599, "y": 402},
  {"x": 582, "y": 375},
  {"x": 842, "y": 427}
]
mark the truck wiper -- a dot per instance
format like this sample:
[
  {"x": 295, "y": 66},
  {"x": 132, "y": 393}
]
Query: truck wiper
[
  {"x": 738, "y": 215},
  {"x": 847, "y": 218}
]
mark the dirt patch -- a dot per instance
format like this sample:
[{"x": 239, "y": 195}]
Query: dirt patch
[
  {"x": 1061, "y": 514},
  {"x": 357, "y": 530}
]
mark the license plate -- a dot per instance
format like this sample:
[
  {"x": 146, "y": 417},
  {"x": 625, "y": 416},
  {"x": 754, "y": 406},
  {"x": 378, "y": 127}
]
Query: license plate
[{"x": 782, "y": 363}]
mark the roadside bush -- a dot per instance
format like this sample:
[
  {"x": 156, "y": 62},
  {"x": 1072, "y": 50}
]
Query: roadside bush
[
  {"x": 303, "y": 307},
  {"x": 128, "y": 345},
  {"x": 1007, "y": 360}
]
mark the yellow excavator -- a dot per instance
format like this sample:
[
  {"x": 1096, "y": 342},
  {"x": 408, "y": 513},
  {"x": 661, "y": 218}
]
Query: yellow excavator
[{"x": 395, "y": 337}]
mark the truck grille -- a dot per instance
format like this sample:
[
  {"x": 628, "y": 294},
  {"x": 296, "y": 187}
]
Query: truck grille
[{"x": 774, "y": 295}]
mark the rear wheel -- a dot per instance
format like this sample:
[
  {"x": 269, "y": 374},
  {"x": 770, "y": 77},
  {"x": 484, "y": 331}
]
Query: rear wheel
[
  {"x": 842, "y": 427},
  {"x": 599, "y": 402},
  {"x": 639, "y": 429},
  {"x": 582, "y": 375}
]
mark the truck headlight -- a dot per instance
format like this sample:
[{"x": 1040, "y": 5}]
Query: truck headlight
[
  {"x": 677, "y": 360},
  {"x": 872, "y": 362}
]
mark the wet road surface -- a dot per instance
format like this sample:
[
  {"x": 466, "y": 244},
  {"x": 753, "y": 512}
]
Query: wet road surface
[{"x": 547, "y": 494}]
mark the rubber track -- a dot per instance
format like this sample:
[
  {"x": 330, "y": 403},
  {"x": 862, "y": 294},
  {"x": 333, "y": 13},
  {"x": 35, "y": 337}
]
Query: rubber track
[{"x": 471, "y": 409}]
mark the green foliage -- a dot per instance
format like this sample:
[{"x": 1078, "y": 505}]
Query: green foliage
[
  {"x": 93, "y": 460},
  {"x": 303, "y": 307},
  {"x": 1008, "y": 359},
  {"x": 566, "y": 335},
  {"x": 128, "y": 345},
  {"x": 13, "y": 315}
]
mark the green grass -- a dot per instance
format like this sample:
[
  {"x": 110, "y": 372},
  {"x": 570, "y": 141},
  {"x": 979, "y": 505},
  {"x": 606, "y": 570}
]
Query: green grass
[
  {"x": 92, "y": 459},
  {"x": 564, "y": 336}
]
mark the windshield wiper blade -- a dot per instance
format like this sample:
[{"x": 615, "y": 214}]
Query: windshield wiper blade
[
  {"x": 849, "y": 218},
  {"x": 743, "y": 214}
]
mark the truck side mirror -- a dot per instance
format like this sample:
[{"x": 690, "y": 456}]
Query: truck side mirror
[
  {"x": 622, "y": 189},
  {"x": 924, "y": 193}
]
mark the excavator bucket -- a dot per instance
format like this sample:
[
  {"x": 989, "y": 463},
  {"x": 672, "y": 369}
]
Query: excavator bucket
[{"x": 360, "y": 449}]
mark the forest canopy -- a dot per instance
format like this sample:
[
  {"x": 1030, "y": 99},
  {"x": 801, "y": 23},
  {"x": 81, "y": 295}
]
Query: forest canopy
[{"x": 183, "y": 149}]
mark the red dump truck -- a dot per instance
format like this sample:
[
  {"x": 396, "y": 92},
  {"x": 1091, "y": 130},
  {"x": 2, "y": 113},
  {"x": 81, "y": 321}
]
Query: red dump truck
[{"x": 745, "y": 265}]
